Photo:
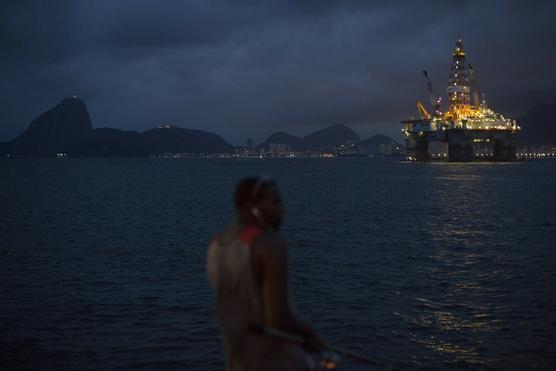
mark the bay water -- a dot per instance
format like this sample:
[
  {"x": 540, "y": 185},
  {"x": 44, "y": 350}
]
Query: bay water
[{"x": 425, "y": 266}]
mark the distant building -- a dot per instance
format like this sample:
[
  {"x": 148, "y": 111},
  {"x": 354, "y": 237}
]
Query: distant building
[{"x": 279, "y": 149}]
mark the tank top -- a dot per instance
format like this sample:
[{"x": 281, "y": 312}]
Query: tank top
[{"x": 239, "y": 304}]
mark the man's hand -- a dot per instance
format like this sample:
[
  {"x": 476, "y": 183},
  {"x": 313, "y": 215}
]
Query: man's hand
[{"x": 313, "y": 343}]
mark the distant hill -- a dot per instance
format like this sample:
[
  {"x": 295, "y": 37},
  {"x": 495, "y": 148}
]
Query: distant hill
[
  {"x": 57, "y": 130},
  {"x": 331, "y": 136},
  {"x": 280, "y": 137},
  {"x": 380, "y": 145},
  {"x": 67, "y": 128},
  {"x": 327, "y": 138},
  {"x": 179, "y": 140},
  {"x": 376, "y": 140},
  {"x": 538, "y": 126},
  {"x": 108, "y": 142}
]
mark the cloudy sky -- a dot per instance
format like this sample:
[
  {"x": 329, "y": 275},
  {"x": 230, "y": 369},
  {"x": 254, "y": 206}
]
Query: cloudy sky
[{"x": 248, "y": 68}]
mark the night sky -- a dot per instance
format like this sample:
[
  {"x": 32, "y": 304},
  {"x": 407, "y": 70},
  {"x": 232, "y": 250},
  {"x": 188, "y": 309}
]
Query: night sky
[{"x": 248, "y": 68}]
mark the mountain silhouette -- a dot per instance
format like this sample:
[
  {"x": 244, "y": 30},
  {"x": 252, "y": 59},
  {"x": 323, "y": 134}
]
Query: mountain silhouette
[
  {"x": 108, "y": 142},
  {"x": 329, "y": 137},
  {"x": 67, "y": 128},
  {"x": 372, "y": 145},
  {"x": 172, "y": 139},
  {"x": 376, "y": 140},
  {"x": 57, "y": 130}
]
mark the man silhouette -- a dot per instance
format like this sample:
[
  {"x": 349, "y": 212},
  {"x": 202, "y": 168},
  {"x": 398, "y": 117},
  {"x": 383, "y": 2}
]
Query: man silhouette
[{"x": 247, "y": 266}]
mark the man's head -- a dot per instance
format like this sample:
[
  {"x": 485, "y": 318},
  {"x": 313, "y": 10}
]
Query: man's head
[{"x": 258, "y": 199}]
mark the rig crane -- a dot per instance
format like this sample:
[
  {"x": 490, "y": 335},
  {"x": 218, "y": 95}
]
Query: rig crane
[
  {"x": 434, "y": 97},
  {"x": 423, "y": 112},
  {"x": 473, "y": 86}
]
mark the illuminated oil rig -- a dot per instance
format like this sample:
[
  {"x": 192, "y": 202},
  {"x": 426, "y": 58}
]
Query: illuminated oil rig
[{"x": 468, "y": 131}]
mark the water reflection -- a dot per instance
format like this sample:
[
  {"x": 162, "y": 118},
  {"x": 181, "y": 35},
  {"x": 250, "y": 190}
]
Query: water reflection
[
  {"x": 459, "y": 265},
  {"x": 460, "y": 353}
]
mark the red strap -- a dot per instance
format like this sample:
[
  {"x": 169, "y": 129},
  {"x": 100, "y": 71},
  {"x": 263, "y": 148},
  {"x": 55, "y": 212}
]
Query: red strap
[{"x": 249, "y": 233}]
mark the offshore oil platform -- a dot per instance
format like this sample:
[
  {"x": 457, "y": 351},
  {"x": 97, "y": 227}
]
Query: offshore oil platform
[{"x": 468, "y": 131}]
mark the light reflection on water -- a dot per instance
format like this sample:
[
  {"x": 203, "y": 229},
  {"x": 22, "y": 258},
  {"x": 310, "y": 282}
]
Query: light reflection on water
[{"x": 465, "y": 221}]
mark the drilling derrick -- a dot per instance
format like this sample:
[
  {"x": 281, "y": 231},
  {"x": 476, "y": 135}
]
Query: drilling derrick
[{"x": 458, "y": 82}]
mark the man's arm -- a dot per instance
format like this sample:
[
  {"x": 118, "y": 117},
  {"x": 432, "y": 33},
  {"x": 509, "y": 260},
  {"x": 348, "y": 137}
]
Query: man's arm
[{"x": 271, "y": 264}]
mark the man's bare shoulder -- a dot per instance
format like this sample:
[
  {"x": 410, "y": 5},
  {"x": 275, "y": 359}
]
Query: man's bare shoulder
[{"x": 270, "y": 246}]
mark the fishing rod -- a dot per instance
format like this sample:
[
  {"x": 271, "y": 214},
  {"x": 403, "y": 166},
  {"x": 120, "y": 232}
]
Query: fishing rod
[{"x": 271, "y": 331}]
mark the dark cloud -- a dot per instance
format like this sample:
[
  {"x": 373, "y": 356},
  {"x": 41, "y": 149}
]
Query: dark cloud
[{"x": 247, "y": 68}]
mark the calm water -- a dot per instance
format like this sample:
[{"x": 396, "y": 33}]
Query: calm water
[{"x": 429, "y": 266}]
